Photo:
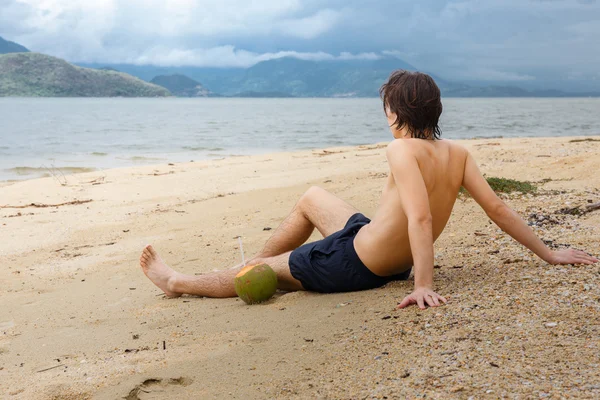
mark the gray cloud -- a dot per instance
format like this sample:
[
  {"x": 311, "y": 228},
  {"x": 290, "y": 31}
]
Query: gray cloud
[{"x": 501, "y": 40}]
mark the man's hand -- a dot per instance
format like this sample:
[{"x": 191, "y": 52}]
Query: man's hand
[
  {"x": 421, "y": 296},
  {"x": 571, "y": 256}
]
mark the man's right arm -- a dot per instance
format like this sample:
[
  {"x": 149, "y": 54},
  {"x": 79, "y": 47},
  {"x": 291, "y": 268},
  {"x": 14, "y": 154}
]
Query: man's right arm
[{"x": 510, "y": 222}]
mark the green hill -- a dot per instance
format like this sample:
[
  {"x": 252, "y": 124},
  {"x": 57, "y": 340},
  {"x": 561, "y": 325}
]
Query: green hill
[
  {"x": 11, "y": 47},
  {"x": 182, "y": 86},
  {"x": 38, "y": 75}
]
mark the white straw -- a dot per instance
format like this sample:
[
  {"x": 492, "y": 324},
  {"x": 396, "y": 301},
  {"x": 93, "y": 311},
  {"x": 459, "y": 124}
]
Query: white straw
[{"x": 242, "y": 250}]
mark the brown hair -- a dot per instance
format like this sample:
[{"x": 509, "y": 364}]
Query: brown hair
[{"x": 415, "y": 99}]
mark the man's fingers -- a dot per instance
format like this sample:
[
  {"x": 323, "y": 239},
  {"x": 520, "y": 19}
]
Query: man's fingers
[
  {"x": 420, "y": 303},
  {"x": 583, "y": 260},
  {"x": 442, "y": 298},
  {"x": 435, "y": 299},
  {"x": 406, "y": 302},
  {"x": 429, "y": 300}
]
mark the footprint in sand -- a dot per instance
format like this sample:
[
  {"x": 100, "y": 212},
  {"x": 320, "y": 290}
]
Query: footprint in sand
[{"x": 157, "y": 388}]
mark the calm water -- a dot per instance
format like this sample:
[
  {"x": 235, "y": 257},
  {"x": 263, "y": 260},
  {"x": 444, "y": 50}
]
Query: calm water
[{"x": 76, "y": 134}]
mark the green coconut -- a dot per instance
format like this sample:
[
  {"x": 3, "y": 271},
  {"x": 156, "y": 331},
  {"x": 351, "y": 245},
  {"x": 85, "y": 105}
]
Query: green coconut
[{"x": 256, "y": 283}]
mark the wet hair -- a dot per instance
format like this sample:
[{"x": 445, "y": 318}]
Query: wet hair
[{"x": 415, "y": 99}]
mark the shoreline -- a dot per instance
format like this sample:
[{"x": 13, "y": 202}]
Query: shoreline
[
  {"x": 78, "y": 319},
  {"x": 60, "y": 171}
]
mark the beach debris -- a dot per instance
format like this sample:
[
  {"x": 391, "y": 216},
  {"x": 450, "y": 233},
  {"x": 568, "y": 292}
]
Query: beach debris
[
  {"x": 327, "y": 152},
  {"x": 579, "y": 210},
  {"x": 97, "y": 181},
  {"x": 19, "y": 214},
  {"x": 584, "y": 140},
  {"x": 164, "y": 345},
  {"x": 592, "y": 207},
  {"x": 448, "y": 353},
  {"x": 551, "y": 324},
  {"x": 135, "y": 336},
  {"x": 309, "y": 340},
  {"x": 41, "y": 205},
  {"x": 343, "y": 304},
  {"x": 512, "y": 260},
  {"x": 162, "y": 173},
  {"x": 267, "y": 228},
  {"x": 48, "y": 369}
]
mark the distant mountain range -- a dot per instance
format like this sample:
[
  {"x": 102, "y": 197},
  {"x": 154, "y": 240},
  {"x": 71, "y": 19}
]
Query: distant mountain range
[
  {"x": 39, "y": 75},
  {"x": 292, "y": 77},
  {"x": 182, "y": 86},
  {"x": 31, "y": 74}
]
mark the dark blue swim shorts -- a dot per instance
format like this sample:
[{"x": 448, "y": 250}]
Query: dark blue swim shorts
[{"x": 332, "y": 265}]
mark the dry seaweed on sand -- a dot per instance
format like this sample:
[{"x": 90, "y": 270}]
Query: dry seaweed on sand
[
  {"x": 506, "y": 185},
  {"x": 41, "y": 205}
]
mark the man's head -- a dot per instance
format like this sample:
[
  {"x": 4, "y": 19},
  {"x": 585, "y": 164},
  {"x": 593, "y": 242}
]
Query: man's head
[{"x": 413, "y": 106}]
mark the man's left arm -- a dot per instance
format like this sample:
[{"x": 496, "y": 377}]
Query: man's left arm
[{"x": 415, "y": 203}]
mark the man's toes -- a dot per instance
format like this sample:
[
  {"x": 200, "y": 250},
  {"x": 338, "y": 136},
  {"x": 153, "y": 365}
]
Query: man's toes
[
  {"x": 147, "y": 254},
  {"x": 151, "y": 250}
]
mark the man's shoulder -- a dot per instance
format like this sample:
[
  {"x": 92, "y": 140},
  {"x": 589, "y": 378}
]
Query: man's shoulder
[{"x": 416, "y": 146}]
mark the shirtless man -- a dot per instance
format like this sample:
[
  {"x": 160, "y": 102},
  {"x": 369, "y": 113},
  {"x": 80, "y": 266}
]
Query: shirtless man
[{"x": 356, "y": 253}]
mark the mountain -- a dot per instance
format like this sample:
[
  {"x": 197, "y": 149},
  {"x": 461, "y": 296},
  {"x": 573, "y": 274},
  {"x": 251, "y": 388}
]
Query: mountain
[
  {"x": 182, "y": 86},
  {"x": 302, "y": 78},
  {"x": 338, "y": 78},
  {"x": 288, "y": 76},
  {"x": 211, "y": 78},
  {"x": 263, "y": 94},
  {"x": 38, "y": 75},
  {"x": 11, "y": 47}
]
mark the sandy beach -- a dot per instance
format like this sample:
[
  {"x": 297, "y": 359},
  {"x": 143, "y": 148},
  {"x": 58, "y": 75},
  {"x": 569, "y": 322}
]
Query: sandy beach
[{"x": 79, "y": 320}]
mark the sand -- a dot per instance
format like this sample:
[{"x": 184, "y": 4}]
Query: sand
[{"x": 78, "y": 319}]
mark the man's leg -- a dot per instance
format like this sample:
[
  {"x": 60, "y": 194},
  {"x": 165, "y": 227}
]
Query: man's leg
[
  {"x": 214, "y": 284},
  {"x": 316, "y": 208}
]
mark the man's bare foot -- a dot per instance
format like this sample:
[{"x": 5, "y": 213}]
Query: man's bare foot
[{"x": 157, "y": 271}]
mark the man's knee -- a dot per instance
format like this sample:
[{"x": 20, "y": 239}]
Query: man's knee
[{"x": 311, "y": 195}]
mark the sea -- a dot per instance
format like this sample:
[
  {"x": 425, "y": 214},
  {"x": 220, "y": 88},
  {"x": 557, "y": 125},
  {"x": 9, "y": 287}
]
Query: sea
[{"x": 44, "y": 136}]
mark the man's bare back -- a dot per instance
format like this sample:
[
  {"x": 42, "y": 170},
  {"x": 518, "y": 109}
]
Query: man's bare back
[{"x": 383, "y": 245}]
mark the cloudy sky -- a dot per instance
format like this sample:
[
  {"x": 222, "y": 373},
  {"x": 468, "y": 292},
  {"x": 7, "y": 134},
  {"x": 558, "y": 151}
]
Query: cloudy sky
[{"x": 489, "y": 40}]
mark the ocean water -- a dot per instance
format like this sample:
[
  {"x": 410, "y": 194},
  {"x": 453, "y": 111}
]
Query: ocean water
[{"x": 38, "y": 136}]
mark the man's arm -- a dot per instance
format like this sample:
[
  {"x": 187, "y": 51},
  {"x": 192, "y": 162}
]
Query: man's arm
[
  {"x": 510, "y": 222},
  {"x": 415, "y": 203}
]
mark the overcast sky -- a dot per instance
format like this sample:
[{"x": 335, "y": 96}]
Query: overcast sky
[{"x": 508, "y": 40}]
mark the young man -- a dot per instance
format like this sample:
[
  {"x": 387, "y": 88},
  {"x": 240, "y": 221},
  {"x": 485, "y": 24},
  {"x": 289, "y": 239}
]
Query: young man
[{"x": 356, "y": 253}]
